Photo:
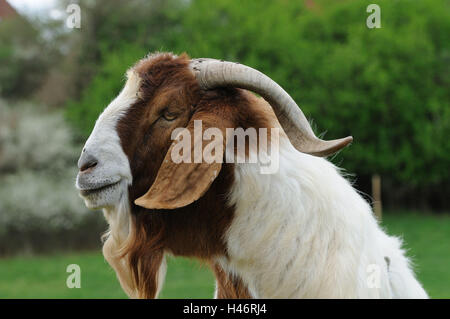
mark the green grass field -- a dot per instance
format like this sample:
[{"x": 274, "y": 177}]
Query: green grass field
[{"x": 427, "y": 239}]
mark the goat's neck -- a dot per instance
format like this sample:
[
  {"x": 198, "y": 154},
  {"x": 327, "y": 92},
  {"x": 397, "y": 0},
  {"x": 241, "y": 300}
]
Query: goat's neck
[{"x": 283, "y": 219}]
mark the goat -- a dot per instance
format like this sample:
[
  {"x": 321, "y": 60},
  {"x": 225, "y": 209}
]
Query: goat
[{"x": 301, "y": 232}]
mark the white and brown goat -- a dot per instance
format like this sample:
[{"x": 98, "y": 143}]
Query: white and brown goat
[{"x": 301, "y": 232}]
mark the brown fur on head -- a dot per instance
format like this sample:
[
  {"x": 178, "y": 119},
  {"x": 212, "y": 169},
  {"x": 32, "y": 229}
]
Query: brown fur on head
[{"x": 184, "y": 210}]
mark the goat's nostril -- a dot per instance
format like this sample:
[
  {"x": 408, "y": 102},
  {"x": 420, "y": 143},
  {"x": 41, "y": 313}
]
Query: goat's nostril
[
  {"x": 88, "y": 165},
  {"x": 86, "y": 161}
]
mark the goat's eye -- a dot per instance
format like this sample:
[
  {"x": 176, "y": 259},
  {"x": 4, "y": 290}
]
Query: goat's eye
[{"x": 169, "y": 116}]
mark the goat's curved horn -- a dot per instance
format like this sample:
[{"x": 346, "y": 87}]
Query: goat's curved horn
[{"x": 212, "y": 73}]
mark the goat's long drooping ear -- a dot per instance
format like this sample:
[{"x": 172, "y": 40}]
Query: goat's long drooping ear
[{"x": 185, "y": 175}]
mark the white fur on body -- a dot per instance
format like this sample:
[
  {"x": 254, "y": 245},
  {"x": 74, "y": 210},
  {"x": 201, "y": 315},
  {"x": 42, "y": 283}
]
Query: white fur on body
[{"x": 304, "y": 232}]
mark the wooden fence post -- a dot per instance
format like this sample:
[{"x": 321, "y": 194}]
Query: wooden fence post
[{"x": 376, "y": 195}]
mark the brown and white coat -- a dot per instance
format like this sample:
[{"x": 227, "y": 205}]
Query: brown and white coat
[{"x": 302, "y": 232}]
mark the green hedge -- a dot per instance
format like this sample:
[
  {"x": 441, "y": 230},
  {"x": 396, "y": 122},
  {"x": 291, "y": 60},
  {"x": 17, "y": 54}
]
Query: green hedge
[{"x": 387, "y": 87}]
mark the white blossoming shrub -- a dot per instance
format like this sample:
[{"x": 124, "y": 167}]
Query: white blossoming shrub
[
  {"x": 32, "y": 140},
  {"x": 39, "y": 206}
]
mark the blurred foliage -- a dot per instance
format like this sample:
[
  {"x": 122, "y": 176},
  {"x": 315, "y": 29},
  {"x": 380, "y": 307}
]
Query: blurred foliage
[
  {"x": 29, "y": 49},
  {"x": 31, "y": 142},
  {"x": 387, "y": 87},
  {"x": 21, "y": 58},
  {"x": 103, "y": 88},
  {"x": 111, "y": 26},
  {"x": 39, "y": 206}
]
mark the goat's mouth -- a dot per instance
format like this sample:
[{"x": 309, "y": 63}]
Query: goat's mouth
[{"x": 93, "y": 191}]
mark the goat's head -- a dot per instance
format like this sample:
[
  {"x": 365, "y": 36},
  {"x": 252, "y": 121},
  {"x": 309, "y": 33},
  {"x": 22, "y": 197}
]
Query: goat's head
[{"x": 131, "y": 141}]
